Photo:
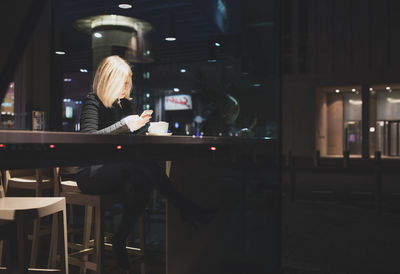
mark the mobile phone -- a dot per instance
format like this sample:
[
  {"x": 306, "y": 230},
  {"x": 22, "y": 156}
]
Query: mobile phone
[{"x": 147, "y": 112}]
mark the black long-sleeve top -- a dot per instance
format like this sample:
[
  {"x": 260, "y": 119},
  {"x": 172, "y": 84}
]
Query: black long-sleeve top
[{"x": 96, "y": 118}]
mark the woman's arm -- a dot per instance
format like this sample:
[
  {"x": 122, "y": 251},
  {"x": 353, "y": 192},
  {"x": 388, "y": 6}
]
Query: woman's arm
[
  {"x": 90, "y": 120},
  {"x": 117, "y": 128}
]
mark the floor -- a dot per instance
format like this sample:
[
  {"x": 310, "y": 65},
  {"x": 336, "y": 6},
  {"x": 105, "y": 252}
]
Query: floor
[{"x": 333, "y": 226}]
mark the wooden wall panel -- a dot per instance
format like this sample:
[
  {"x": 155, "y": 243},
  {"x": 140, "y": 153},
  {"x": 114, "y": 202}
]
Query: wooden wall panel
[
  {"x": 360, "y": 36},
  {"x": 378, "y": 34},
  {"x": 341, "y": 36},
  {"x": 323, "y": 51},
  {"x": 394, "y": 35},
  {"x": 335, "y": 124},
  {"x": 297, "y": 125},
  {"x": 321, "y": 132}
]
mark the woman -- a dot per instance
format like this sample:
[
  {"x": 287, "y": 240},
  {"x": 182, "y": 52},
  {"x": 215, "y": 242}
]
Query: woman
[{"x": 110, "y": 110}]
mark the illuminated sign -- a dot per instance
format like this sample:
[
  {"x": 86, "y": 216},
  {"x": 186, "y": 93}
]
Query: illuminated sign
[{"x": 178, "y": 102}]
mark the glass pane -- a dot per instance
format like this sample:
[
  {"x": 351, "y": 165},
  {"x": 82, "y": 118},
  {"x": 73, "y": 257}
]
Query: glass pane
[
  {"x": 208, "y": 68},
  {"x": 338, "y": 124},
  {"x": 352, "y": 109},
  {"x": 7, "y": 109},
  {"x": 385, "y": 117}
]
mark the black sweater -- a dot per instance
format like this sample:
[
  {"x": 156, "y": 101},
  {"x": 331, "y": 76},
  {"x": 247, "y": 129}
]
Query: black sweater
[{"x": 96, "y": 118}]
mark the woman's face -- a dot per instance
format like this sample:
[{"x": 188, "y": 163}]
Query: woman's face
[{"x": 125, "y": 90}]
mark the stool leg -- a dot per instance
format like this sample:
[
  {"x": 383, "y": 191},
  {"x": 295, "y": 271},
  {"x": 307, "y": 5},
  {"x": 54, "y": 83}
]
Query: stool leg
[
  {"x": 64, "y": 213},
  {"x": 35, "y": 243},
  {"x": 99, "y": 238},
  {"x": 142, "y": 245},
  {"x": 71, "y": 221},
  {"x": 53, "y": 242},
  {"x": 22, "y": 262},
  {"x": 87, "y": 229},
  {"x": 1, "y": 252}
]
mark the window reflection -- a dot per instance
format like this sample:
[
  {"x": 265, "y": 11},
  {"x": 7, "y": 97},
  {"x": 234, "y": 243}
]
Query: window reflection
[
  {"x": 217, "y": 77},
  {"x": 7, "y": 109}
]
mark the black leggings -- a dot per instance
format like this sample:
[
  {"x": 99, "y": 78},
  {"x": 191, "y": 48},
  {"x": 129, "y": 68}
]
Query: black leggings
[{"x": 133, "y": 181}]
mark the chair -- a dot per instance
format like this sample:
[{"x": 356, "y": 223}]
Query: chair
[
  {"x": 96, "y": 247},
  {"x": 18, "y": 211},
  {"x": 39, "y": 181}
]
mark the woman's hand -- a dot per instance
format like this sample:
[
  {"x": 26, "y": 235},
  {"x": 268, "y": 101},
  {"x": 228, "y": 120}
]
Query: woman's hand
[{"x": 134, "y": 122}]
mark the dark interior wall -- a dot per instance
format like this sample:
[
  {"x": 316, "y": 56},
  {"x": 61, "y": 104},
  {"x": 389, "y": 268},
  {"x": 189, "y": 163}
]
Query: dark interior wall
[
  {"x": 333, "y": 42},
  {"x": 17, "y": 19},
  {"x": 298, "y": 117},
  {"x": 33, "y": 77}
]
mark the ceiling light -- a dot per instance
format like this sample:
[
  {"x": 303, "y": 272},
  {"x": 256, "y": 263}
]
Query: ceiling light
[
  {"x": 170, "y": 38},
  {"x": 353, "y": 90},
  {"x": 371, "y": 89},
  {"x": 98, "y": 35},
  {"x": 217, "y": 44},
  {"x": 337, "y": 91},
  {"x": 387, "y": 88},
  {"x": 176, "y": 89},
  {"x": 393, "y": 100},
  {"x": 256, "y": 85},
  {"x": 67, "y": 80},
  {"x": 125, "y": 6},
  {"x": 59, "y": 52},
  {"x": 83, "y": 70},
  {"x": 183, "y": 70},
  {"x": 355, "y": 102}
]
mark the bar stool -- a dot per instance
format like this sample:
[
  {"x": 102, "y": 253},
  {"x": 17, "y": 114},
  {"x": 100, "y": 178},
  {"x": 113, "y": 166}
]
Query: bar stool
[
  {"x": 20, "y": 210},
  {"x": 96, "y": 204},
  {"x": 39, "y": 181}
]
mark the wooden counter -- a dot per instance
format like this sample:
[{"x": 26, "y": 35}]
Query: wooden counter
[{"x": 39, "y": 148}]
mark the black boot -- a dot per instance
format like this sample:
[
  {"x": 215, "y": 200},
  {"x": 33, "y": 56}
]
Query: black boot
[{"x": 119, "y": 251}]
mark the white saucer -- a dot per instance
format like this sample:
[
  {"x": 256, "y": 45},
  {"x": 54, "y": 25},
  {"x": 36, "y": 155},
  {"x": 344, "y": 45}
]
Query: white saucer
[{"x": 158, "y": 134}]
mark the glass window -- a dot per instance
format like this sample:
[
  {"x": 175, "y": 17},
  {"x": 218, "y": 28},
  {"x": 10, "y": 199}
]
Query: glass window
[
  {"x": 338, "y": 124},
  {"x": 385, "y": 119},
  {"x": 7, "y": 109},
  {"x": 220, "y": 54}
]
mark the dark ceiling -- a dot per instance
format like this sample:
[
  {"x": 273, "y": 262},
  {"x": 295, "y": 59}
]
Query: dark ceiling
[{"x": 194, "y": 27}]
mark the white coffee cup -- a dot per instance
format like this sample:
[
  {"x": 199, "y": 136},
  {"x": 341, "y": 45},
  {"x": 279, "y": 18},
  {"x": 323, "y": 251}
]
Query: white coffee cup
[{"x": 158, "y": 127}]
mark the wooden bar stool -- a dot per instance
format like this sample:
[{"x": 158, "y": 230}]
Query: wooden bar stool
[
  {"x": 97, "y": 204},
  {"x": 20, "y": 210},
  {"x": 39, "y": 181}
]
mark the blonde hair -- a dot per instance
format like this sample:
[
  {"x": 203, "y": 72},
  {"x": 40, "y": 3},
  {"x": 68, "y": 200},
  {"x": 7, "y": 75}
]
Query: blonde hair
[{"x": 109, "y": 80}]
